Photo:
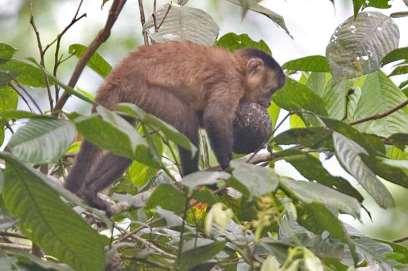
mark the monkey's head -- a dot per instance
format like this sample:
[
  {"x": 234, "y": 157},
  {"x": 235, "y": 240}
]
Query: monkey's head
[{"x": 263, "y": 76}]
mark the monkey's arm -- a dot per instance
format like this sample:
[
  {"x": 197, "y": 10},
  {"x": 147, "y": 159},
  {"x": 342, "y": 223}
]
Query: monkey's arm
[{"x": 218, "y": 121}]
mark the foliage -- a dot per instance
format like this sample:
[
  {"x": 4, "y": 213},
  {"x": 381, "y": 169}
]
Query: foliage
[{"x": 342, "y": 105}]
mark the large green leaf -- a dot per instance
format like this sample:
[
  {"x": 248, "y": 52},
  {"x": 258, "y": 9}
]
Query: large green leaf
[
  {"x": 373, "y": 145},
  {"x": 110, "y": 131},
  {"x": 48, "y": 221},
  {"x": 233, "y": 41},
  {"x": 42, "y": 140},
  {"x": 309, "y": 192},
  {"x": 312, "y": 169},
  {"x": 295, "y": 96},
  {"x": 25, "y": 73},
  {"x": 359, "y": 44},
  {"x": 182, "y": 23},
  {"x": 348, "y": 153},
  {"x": 258, "y": 180},
  {"x": 315, "y": 63},
  {"x": 378, "y": 95},
  {"x": 317, "y": 218},
  {"x": 312, "y": 137},
  {"x": 96, "y": 62}
]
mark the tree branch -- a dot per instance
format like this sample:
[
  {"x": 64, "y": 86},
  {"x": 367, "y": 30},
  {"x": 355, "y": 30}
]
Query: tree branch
[
  {"x": 381, "y": 115},
  {"x": 102, "y": 36},
  {"x": 143, "y": 22}
]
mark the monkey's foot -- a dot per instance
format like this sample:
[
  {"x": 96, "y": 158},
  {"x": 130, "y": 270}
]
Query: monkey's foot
[{"x": 94, "y": 201}]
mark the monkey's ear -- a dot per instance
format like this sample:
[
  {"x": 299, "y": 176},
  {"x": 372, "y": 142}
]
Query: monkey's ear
[{"x": 255, "y": 65}]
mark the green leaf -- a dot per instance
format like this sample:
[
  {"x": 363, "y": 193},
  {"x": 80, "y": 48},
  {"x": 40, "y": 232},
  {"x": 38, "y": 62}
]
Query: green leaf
[
  {"x": 378, "y": 95},
  {"x": 399, "y": 70},
  {"x": 348, "y": 153},
  {"x": 258, "y": 180},
  {"x": 359, "y": 44},
  {"x": 308, "y": 192},
  {"x": 110, "y": 131},
  {"x": 254, "y": 6},
  {"x": 192, "y": 257},
  {"x": 167, "y": 197},
  {"x": 317, "y": 218},
  {"x": 358, "y": 4},
  {"x": 42, "y": 141},
  {"x": 6, "y": 52},
  {"x": 273, "y": 112},
  {"x": 312, "y": 169},
  {"x": 295, "y": 97},
  {"x": 96, "y": 62},
  {"x": 386, "y": 171},
  {"x": 140, "y": 174},
  {"x": 18, "y": 114},
  {"x": 8, "y": 99},
  {"x": 232, "y": 42},
  {"x": 372, "y": 145},
  {"x": 25, "y": 73},
  {"x": 48, "y": 221},
  {"x": 314, "y": 63},
  {"x": 311, "y": 137},
  {"x": 395, "y": 55},
  {"x": 204, "y": 178}
]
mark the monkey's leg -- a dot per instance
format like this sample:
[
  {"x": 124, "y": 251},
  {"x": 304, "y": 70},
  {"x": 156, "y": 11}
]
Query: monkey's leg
[
  {"x": 84, "y": 160},
  {"x": 108, "y": 168}
]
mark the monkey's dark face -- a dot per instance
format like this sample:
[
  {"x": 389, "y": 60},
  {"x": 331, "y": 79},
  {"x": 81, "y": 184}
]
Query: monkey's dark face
[{"x": 262, "y": 82}]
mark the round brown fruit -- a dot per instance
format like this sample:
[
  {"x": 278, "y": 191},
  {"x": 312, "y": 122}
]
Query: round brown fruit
[{"x": 252, "y": 128}]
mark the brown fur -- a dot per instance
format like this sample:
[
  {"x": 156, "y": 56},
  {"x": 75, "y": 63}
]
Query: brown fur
[{"x": 187, "y": 85}]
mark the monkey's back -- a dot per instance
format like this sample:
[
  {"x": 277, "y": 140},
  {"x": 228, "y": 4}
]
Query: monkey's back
[{"x": 185, "y": 69}]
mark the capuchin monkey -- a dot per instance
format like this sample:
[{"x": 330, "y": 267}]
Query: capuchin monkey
[{"x": 186, "y": 85}]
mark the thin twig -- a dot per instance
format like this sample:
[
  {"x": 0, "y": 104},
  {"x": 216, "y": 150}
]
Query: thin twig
[
  {"x": 157, "y": 26},
  {"x": 22, "y": 97},
  {"x": 143, "y": 22},
  {"x": 164, "y": 17},
  {"x": 29, "y": 96},
  {"x": 381, "y": 115},
  {"x": 403, "y": 239},
  {"x": 42, "y": 62},
  {"x": 57, "y": 58},
  {"x": 101, "y": 37},
  {"x": 148, "y": 244},
  {"x": 182, "y": 230}
]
